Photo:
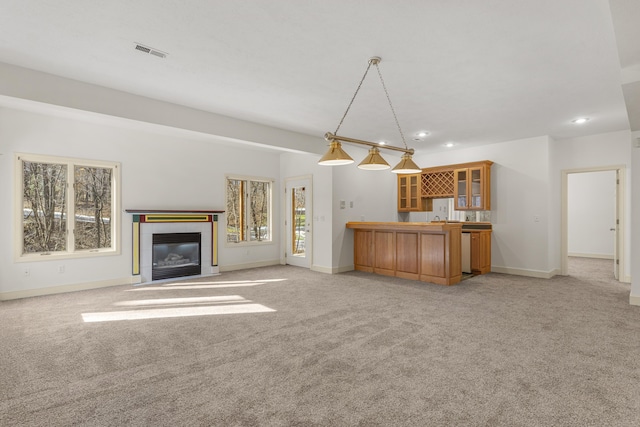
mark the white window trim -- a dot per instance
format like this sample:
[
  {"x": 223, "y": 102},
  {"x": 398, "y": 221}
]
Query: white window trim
[
  {"x": 271, "y": 241},
  {"x": 18, "y": 239}
]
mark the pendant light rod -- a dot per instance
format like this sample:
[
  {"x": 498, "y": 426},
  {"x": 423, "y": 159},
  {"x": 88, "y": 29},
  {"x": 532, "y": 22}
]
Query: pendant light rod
[{"x": 331, "y": 137}]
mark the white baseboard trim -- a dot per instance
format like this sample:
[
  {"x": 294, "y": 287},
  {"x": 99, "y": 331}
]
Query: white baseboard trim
[
  {"x": 27, "y": 293},
  {"x": 634, "y": 299},
  {"x": 523, "y": 272},
  {"x": 234, "y": 267},
  {"x": 599, "y": 256},
  {"x": 332, "y": 270}
]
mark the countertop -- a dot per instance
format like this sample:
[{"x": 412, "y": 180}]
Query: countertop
[
  {"x": 468, "y": 225},
  {"x": 410, "y": 226}
]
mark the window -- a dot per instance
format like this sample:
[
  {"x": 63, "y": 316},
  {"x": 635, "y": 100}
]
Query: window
[
  {"x": 67, "y": 207},
  {"x": 248, "y": 210}
]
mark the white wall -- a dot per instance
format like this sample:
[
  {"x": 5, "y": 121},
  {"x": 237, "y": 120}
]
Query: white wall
[
  {"x": 158, "y": 172},
  {"x": 373, "y": 195},
  {"x": 25, "y": 87},
  {"x": 591, "y": 206},
  {"x": 294, "y": 165},
  {"x": 634, "y": 180},
  {"x": 597, "y": 151},
  {"x": 519, "y": 194}
]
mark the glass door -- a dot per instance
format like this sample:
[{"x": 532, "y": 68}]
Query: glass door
[
  {"x": 475, "y": 175},
  {"x": 298, "y": 221},
  {"x": 461, "y": 188}
]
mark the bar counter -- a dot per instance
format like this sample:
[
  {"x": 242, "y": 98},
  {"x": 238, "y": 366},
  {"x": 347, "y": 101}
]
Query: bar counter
[{"x": 429, "y": 252}]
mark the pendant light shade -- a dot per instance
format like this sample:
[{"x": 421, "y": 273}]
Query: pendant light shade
[
  {"x": 406, "y": 165},
  {"x": 335, "y": 156},
  {"x": 374, "y": 161}
]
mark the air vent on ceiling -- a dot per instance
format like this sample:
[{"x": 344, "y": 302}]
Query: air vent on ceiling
[{"x": 151, "y": 51}]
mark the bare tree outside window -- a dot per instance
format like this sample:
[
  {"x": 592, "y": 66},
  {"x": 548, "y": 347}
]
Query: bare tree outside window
[
  {"x": 234, "y": 210},
  {"x": 92, "y": 207},
  {"x": 259, "y": 212},
  {"x": 44, "y": 207},
  {"x": 248, "y": 210},
  {"x": 67, "y": 206},
  {"x": 298, "y": 196}
]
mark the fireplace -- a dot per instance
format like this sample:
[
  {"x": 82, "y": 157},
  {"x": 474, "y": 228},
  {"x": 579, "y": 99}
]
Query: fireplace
[
  {"x": 146, "y": 223},
  {"x": 176, "y": 255}
]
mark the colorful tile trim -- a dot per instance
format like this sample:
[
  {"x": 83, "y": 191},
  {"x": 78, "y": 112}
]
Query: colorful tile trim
[{"x": 151, "y": 218}]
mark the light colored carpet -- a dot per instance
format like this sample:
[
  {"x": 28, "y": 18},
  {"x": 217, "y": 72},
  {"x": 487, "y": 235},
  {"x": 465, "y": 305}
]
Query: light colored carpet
[{"x": 351, "y": 349}]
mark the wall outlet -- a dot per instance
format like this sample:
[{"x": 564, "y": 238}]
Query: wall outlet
[
  {"x": 61, "y": 269},
  {"x": 536, "y": 218},
  {"x": 26, "y": 272}
]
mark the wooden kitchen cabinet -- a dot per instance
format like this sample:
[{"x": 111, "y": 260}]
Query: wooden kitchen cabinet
[
  {"x": 481, "y": 252},
  {"x": 472, "y": 186},
  {"x": 429, "y": 252},
  {"x": 410, "y": 194}
]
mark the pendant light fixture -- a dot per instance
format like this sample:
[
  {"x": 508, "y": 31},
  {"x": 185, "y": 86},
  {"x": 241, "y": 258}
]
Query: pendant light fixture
[{"x": 374, "y": 161}]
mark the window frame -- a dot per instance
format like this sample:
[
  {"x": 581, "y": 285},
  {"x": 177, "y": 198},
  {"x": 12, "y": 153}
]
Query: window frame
[
  {"x": 247, "y": 207},
  {"x": 70, "y": 252}
]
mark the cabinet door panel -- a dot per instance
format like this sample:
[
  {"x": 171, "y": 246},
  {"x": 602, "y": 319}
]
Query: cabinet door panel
[
  {"x": 403, "y": 194},
  {"x": 363, "y": 248},
  {"x": 384, "y": 258},
  {"x": 475, "y": 251},
  {"x": 407, "y": 252},
  {"x": 476, "y": 187},
  {"x": 414, "y": 192},
  {"x": 433, "y": 250},
  {"x": 461, "y": 189}
]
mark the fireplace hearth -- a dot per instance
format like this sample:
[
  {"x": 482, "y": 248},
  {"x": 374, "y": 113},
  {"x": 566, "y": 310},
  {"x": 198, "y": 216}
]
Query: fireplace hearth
[{"x": 176, "y": 255}]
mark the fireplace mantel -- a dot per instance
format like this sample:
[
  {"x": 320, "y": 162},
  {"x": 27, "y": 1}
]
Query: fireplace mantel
[
  {"x": 147, "y": 221},
  {"x": 171, "y": 211}
]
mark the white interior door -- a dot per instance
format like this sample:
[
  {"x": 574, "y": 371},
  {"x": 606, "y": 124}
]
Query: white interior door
[
  {"x": 298, "y": 224},
  {"x": 615, "y": 229}
]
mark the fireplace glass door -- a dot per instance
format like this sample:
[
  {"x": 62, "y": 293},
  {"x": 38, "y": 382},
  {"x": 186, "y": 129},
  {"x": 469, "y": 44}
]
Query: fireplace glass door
[{"x": 176, "y": 255}]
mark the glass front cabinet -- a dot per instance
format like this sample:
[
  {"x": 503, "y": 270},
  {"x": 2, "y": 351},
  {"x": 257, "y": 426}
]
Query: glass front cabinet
[
  {"x": 472, "y": 186},
  {"x": 410, "y": 194}
]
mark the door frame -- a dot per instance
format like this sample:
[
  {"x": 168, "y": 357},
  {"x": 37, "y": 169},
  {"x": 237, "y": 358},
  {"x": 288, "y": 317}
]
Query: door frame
[
  {"x": 287, "y": 214},
  {"x": 621, "y": 191}
]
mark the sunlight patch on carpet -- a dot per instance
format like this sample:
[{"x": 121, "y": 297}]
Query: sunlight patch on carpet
[
  {"x": 206, "y": 285},
  {"x": 228, "y": 282},
  {"x": 174, "y": 301},
  {"x": 162, "y": 313}
]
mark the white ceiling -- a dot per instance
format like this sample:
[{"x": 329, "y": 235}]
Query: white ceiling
[{"x": 470, "y": 72}]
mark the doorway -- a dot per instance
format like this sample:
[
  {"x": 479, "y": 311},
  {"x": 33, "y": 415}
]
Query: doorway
[
  {"x": 298, "y": 215},
  {"x": 593, "y": 217}
]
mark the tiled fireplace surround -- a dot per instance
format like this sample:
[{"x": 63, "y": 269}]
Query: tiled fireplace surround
[{"x": 148, "y": 223}]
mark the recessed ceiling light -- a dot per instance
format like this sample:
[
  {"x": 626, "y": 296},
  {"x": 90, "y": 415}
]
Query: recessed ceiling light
[
  {"x": 381, "y": 142},
  {"x": 448, "y": 144},
  {"x": 423, "y": 134},
  {"x": 580, "y": 121}
]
